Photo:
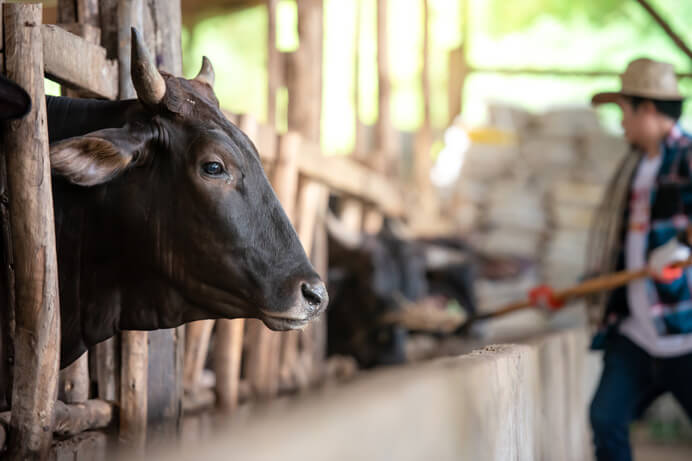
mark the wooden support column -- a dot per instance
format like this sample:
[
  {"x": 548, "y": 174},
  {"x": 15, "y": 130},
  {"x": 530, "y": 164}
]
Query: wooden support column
[
  {"x": 385, "y": 137},
  {"x": 166, "y": 347},
  {"x": 74, "y": 381},
  {"x": 134, "y": 347},
  {"x": 228, "y": 346},
  {"x": 360, "y": 147},
  {"x": 458, "y": 68},
  {"x": 273, "y": 63},
  {"x": 37, "y": 333},
  {"x": 197, "y": 336}
]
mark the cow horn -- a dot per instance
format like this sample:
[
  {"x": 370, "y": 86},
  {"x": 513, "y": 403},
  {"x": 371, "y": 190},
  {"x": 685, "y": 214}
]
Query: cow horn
[
  {"x": 148, "y": 82},
  {"x": 338, "y": 231},
  {"x": 206, "y": 73}
]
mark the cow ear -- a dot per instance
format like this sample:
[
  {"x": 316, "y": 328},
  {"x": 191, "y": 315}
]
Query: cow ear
[{"x": 100, "y": 156}]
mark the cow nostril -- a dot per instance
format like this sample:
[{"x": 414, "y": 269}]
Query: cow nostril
[{"x": 314, "y": 295}]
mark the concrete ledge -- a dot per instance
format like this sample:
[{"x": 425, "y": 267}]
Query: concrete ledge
[{"x": 508, "y": 402}]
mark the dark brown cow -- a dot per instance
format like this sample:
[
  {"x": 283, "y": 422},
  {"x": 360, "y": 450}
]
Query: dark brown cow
[{"x": 164, "y": 215}]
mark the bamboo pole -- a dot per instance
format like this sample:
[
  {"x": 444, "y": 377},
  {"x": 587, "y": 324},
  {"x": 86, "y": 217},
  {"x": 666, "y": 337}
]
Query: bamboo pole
[{"x": 37, "y": 332}]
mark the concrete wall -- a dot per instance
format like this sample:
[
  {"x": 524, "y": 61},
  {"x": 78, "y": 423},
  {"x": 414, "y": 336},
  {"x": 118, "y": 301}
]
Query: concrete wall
[{"x": 509, "y": 402}]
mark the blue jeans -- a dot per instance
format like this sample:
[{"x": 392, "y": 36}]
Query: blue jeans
[{"x": 630, "y": 382}]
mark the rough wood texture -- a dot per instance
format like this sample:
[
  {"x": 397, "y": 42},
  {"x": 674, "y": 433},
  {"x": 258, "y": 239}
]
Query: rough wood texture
[
  {"x": 74, "y": 62},
  {"x": 74, "y": 381},
  {"x": 37, "y": 338},
  {"x": 166, "y": 347},
  {"x": 196, "y": 348},
  {"x": 133, "y": 398},
  {"x": 80, "y": 417},
  {"x": 304, "y": 73},
  {"x": 89, "y": 446},
  {"x": 130, "y": 13},
  {"x": 107, "y": 369},
  {"x": 227, "y": 360},
  {"x": 88, "y": 13}
]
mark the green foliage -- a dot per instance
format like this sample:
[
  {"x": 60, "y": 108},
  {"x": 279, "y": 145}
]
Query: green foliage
[{"x": 516, "y": 15}]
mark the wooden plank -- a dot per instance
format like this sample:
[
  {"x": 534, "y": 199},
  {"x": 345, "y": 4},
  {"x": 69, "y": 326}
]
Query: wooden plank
[
  {"x": 74, "y": 62},
  {"x": 133, "y": 388},
  {"x": 37, "y": 334},
  {"x": 74, "y": 381}
]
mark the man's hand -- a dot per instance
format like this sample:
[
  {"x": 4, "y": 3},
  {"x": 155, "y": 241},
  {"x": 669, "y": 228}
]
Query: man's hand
[
  {"x": 663, "y": 257},
  {"x": 544, "y": 297}
]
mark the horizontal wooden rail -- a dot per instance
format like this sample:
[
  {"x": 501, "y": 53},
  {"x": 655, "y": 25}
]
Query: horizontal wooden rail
[
  {"x": 76, "y": 63},
  {"x": 552, "y": 72},
  {"x": 339, "y": 173}
]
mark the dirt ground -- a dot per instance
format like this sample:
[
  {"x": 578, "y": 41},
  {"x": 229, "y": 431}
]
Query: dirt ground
[{"x": 647, "y": 448}]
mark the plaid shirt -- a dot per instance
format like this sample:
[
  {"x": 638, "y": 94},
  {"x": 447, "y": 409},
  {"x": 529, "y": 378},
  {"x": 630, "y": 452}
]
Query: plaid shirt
[{"x": 670, "y": 215}]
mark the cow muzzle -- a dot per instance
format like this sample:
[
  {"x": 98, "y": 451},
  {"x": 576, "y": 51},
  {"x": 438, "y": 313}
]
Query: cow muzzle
[{"x": 311, "y": 300}]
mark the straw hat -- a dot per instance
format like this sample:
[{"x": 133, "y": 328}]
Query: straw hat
[{"x": 645, "y": 78}]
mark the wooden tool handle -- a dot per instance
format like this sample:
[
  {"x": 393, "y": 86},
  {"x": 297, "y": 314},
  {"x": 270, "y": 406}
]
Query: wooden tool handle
[{"x": 594, "y": 285}]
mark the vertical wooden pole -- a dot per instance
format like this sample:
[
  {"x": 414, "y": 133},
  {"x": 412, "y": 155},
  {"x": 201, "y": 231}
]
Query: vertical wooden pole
[
  {"x": 228, "y": 346},
  {"x": 197, "y": 336},
  {"x": 74, "y": 381},
  {"x": 37, "y": 333},
  {"x": 385, "y": 140},
  {"x": 360, "y": 146},
  {"x": 458, "y": 67},
  {"x": 273, "y": 64},
  {"x": 166, "y": 347},
  {"x": 134, "y": 344},
  {"x": 304, "y": 81},
  {"x": 228, "y": 349}
]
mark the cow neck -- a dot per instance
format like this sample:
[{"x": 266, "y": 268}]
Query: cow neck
[{"x": 69, "y": 117}]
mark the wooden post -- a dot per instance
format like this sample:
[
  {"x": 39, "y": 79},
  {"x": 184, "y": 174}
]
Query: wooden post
[
  {"x": 360, "y": 147},
  {"x": 166, "y": 347},
  {"x": 197, "y": 337},
  {"x": 385, "y": 140},
  {"x": 273, "y": 64},
  {"x": 458, "y": 67},
  {"x": 228, "y": 349},
  {"x": 74, "y": 381},
  {"x": 263, "y": 358},
  {"x": 134, "y": 347},
  {"x": 37, "y": 333},
  {"x": 304, "y": 78},
  {"x": 133, "y": 390},
  {"x": 107, "y": 368},
  {"x": 228, "y": 346}
]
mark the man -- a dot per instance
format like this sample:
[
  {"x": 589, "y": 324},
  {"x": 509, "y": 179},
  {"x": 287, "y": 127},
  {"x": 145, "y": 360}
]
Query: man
[{"x": 646, "y": 332}]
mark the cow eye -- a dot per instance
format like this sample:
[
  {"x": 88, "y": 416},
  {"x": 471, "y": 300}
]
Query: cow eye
[{"x": 212, "y": 168}]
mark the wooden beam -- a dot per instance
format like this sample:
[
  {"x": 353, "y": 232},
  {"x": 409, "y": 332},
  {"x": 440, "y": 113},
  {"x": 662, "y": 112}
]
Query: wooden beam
[
  {"x": 423, "y": 138},
  {"x": 384, "y": 160},
  {"x": 666, "y": 27},
  {"x": 37, "y": 331},
  {"x": 74, "y": 62},
  {"x": 274, "y": 67},
  {"x": 554, "y": 72}
]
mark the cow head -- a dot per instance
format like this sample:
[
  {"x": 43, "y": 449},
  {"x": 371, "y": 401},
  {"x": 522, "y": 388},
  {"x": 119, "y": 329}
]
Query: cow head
[{"x": 187, "y": 210}]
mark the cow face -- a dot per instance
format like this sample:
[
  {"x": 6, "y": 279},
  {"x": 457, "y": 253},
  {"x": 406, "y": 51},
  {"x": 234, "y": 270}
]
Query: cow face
[{"x": 187, "y": 193}]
